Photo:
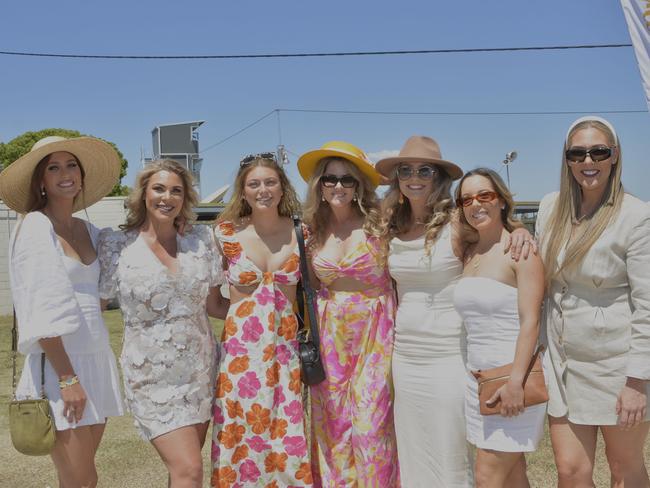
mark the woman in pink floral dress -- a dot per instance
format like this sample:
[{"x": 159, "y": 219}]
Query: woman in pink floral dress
[
  {"x": 259, "y": 433},
  {"x": 352, "y": 410}
]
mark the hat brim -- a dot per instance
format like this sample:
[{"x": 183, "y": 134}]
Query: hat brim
[
  {"x": 308, "y": 162},
  {"x": 387, "y": 165},
  {"x": 99, "y": 160}
]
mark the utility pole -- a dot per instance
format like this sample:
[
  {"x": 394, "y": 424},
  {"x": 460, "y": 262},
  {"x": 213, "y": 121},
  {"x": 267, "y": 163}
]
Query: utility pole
[{"x": 510, "y": 157}]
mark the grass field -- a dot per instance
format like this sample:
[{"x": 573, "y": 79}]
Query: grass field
[{"x": 125, "y": 461}]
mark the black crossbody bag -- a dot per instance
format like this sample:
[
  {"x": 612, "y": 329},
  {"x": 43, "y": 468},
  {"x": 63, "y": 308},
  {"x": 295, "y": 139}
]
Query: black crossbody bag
[{"x": 311, "y": 367}]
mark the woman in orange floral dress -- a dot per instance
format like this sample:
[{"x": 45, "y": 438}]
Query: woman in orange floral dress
[{"x": 259, "y": 429}]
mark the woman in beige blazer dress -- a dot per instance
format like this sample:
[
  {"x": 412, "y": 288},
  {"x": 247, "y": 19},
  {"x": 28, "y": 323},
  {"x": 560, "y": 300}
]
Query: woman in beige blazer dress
[{"x": 595, "y": 241}]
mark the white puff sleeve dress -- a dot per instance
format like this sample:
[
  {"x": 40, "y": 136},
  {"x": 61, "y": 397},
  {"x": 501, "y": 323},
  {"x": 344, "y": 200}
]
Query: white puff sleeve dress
[{"x": 55, "y": 295}]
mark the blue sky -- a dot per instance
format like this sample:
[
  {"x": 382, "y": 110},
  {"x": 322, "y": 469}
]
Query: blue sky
[{"x": 122, "y": 100}]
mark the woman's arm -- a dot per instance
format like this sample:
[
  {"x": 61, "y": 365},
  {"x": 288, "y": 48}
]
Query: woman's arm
[
  {"x": 216, "y": 305},
  {"x": 631, "y": 404},
  {"x": 73, "y": 396},
  {"x": 530, "y": 293}
]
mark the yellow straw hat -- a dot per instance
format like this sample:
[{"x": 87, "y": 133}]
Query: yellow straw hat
[
  {"x": 309, "y": 161},
  {"x": 99, "y": 160}
]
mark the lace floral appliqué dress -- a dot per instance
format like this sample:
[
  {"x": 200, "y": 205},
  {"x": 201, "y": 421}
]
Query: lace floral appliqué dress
[
  {"x": 169, "y": 353},
  {"x": 259, "y": 433}
]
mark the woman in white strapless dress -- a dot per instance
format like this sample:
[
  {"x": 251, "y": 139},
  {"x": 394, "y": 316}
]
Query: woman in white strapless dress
[{"x": 500, "y": 301}]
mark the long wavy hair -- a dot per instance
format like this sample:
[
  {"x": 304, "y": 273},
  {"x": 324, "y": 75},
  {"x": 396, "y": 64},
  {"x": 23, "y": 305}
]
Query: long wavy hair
[
  {"x": 136, "y": 207},
  {"x": 397, "y": 215},
  {"x": 37, "y": 200},
  {"x": 317, "y": 213},
  {"x": 501, "y": 189},
  {"x": 566, "y": 211},
  {"x": 238, "y": 207}
]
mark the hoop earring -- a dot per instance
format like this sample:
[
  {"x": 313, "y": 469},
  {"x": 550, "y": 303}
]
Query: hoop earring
[{"x": 401, "y": 199}]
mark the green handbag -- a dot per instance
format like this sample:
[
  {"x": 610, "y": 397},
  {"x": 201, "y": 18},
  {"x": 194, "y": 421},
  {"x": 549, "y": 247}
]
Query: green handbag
[{"x": 30, "y": 421}]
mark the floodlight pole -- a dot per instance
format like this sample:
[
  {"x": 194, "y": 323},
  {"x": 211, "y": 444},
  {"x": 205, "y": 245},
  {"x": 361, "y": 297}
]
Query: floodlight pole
[{"x": 510, "y": 157}]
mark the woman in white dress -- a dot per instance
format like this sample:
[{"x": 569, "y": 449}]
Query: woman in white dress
[
  {"x": 500, "y": 301},
  {"x": 425, "y": 249},
  {"x": 54, "y": 275},
  {"x": 595, "y": 241},
  {"x": 164, "y": 280}
]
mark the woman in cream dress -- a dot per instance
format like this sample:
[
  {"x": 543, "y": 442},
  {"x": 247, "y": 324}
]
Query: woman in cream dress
[
  {"x": 424, "y": 245},
  {"x": 595, "y": 241}
]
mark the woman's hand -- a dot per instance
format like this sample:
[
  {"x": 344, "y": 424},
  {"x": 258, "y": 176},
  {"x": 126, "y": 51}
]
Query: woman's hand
[
  {"x": 512, "y": 399},
  {"x": 520, "y": 242},
  {"x": 74, "y": 402},
  {"x": 631, "y": 403},
  {"x": 182, "y": 225}
]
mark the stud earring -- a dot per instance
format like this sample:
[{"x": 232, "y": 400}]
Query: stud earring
[
  {"x": 401, "y": 199},
  {"x": 354, "y": 197},
  {"x": 42, "y": 192},
  {"x": 322, "y": 199}
]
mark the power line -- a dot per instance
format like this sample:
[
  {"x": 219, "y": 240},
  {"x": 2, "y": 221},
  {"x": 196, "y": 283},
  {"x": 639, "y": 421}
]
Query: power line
[
  {"x": 218, "y": 143},
  {"x": 384, "y": 112},
  {"x": 312, "y": 54}
]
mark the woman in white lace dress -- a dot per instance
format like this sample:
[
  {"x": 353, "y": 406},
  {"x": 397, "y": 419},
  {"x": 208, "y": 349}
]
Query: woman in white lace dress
[{"x": 163, "y": 281}]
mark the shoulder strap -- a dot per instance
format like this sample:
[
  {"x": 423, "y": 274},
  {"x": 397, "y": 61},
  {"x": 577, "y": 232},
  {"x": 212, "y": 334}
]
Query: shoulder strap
[
  {"x": 540, "y": 349},
  {"x": 304, "y": 279}
]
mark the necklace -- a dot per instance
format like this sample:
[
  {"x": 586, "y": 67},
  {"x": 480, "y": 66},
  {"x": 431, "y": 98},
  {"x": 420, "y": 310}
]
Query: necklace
[{"x": 67, "y": 231}]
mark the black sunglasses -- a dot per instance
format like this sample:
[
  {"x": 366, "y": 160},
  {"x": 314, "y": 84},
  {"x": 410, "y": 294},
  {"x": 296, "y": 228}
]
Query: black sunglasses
[
  {"x": 330, "y": 181},
  {"x": 578, "y": 154},
  {"x": 423, "y": 172},
  {"x": 246, "y": 160}
]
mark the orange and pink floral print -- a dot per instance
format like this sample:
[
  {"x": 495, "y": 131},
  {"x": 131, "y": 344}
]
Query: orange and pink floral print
[
  {"x": 259, "y": 428},
  {"x": 352, "y": 410}
]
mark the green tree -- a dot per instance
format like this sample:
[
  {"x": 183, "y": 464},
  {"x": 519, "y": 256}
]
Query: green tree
[{"x": 14, "y": 149}]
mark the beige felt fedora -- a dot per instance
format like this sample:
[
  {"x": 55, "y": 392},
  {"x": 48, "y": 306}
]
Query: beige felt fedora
[{"x": 419, "y": 149}]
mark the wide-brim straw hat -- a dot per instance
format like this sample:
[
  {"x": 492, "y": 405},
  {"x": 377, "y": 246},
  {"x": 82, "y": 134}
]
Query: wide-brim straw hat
[
  {"x": 100, "y": 162},
  {"x": 419, "y": 149},
  {"x": 308, "y": 162}
]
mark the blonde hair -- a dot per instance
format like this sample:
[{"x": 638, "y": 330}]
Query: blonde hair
[
  {"x": 566, "y": 210},
  {"x": 500, "y": 189},
  {"x": 317, "y": 213},
  {"x": 397, "y": 216},
  {"x": 136, "y": 207},
  {"x": 238, "y": 207}
]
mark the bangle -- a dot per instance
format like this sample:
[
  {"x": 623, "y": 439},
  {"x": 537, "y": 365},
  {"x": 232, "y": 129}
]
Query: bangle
[{"x": 68, "y": 382}]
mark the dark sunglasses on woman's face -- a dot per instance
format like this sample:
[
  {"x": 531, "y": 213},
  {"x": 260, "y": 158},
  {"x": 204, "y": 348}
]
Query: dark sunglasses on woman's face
[
  {"x": 423, "y": 172},
  {"x": 484, "y": 196},
  {"x": 577, "y": 154},
  {"x": 330, "y": 181}
]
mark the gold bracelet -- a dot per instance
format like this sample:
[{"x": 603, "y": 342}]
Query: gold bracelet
[{"x": 68, "y": 382}]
